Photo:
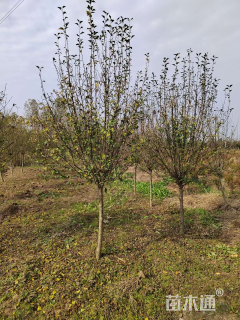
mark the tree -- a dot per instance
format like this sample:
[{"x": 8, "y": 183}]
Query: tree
[
  {"x": 183, "y": 110},
  {"x": 23, "y": 146},
  {"x": 31, "y": 108},
  {"x": 6, "y": 132},
  {"x": 220, "y": 144},
  {"x": 95, "y": 111},
  {"x": 148, "y": 163},
  {"x": 134, "y": 157}
]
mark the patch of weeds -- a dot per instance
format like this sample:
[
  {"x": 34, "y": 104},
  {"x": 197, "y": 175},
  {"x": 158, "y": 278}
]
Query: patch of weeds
[
  {"x": 85, "y": 220},
  {"x": 44, "y": 230},
  {"x": 110, "y": 250},
  {"x": 206, "y": 217},
  {"x": 85, "y": 207},
  {"x": 159, "y": 189},
  {"x": 202, "y": 186},
  {"x": 116, "y": 199},
  {"x": 202, "y": 221},
  {"x": 47, "y": 194},
  {"x": 227, "y": 249},
  {"x": 189, "y": 218},
  {"x": 68, "y": 241}
]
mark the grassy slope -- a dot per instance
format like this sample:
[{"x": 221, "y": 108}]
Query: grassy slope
[{"x": 47, "y": 254}]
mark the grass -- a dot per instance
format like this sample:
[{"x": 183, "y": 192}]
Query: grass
[
  {"x": 199, "y": 186},
  {"x": 48, "y": 267},
  {"x": 206, "y": 218},
  {"x": 159, "y": 189}
]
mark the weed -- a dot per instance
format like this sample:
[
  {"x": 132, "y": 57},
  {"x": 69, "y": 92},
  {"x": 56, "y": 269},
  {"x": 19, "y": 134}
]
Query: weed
[
  {"x": 159, "y": 189},
  {"x": 201, "y": 186}
]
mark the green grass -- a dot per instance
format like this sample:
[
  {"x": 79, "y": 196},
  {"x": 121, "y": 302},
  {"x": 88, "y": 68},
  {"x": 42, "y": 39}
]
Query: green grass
[
  {"x": 159, "y": 189},
  {"x": 200, "y": 221},
  {"x": 202, "y": 184},
  {"x": 206, "y": 218}
]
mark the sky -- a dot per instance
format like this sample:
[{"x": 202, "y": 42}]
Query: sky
[{"x": 161, "y": 27}]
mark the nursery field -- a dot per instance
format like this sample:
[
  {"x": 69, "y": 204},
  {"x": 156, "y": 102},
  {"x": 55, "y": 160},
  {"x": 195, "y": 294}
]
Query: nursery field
[{"x": 48, "y": 233}]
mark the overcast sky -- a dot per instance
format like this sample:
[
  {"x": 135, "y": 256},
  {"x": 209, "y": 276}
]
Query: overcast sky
[{"x": 161, "y": 27}]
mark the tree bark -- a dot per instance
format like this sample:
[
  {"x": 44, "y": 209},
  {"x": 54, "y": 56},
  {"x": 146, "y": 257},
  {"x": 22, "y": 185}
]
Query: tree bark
[
  {"x": 100, "y": 227},
  {"x": 135, "y": 179},
  {"x": 223, "y": 191},
  {"x": 11, "y": 168},
  {"x": 1, "y": 176},
  {"x": 181, "y": 210},
  {"x": 151, "y": 196},
  {"x": 22, "y": 161}
]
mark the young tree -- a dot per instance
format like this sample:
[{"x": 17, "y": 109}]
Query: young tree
[
  {"x": 134, "y": 157},
  {"x": 148, "y": 162},
  {"x": 24, "y": 146},
  {"x": 95, "y": 111},
  {"x": 219, "y": 158},
  {"x": 6, "y": 133},
  {"x": 184, "y": 110}
]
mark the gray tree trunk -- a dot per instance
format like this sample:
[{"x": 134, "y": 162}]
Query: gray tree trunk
[
  {"x": 100, "y": 227},
  {"x": 181, "y": 210},
  {"x": 135, "y": 179},
  {"x": 22, "y": 161},
  {"x": 11, "y": 168},
  {"x": 223, "y": 191},
  {"x": 151, "y": 196}
]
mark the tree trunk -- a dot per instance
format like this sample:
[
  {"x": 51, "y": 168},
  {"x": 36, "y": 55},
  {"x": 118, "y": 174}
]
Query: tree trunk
[
  {"x": 11, "y": 168},
  {"x": 151, "y": 196},
  {"x": 181, "y": 210},
  {"x": 135, "y": 179},
  {"x": 22, "y": 161},
  {"x": 100, "y": 228},
  {"x": 1, "y": 176},
  {"x": 223, "y": 191}
]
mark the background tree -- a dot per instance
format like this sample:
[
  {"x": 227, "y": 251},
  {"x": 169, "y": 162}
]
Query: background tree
[
  {"x": 99, "y": 108},
  {"x": 31, "y": 108},
  {"x": 134, "y": 157},
  {"x": 23, "y": 147},
  {"x": 148, "y": 164},
  {"x": 220, "y": 143},
  {"x": 183, "y": 111},
  {"x": 7, "y": 137}
]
